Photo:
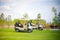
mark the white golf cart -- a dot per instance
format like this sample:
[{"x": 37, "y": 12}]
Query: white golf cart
[
  {"x": 20, "y": 27},
  {"x": 40, "y": 27}
]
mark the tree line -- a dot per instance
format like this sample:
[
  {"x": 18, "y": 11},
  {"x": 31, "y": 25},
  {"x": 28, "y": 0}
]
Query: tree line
[{"x": 8, "y": 21}]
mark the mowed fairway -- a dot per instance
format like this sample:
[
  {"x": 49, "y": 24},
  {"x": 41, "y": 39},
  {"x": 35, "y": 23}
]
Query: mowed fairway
[{"x": 10, "y": 34}]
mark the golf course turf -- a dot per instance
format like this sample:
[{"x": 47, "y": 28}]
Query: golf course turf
[{"x": 10, "y": 34}]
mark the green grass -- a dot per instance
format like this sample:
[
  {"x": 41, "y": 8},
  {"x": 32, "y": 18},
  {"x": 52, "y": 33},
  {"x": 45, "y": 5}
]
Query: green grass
[{"x": 10, "y": 34}]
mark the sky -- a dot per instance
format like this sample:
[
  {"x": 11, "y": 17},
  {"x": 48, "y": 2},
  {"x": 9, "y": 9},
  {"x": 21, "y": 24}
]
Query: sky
[{"x": 17, "y": 8}]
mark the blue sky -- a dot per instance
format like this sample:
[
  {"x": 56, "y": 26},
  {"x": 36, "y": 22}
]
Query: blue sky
[{"x": 17, "y": 8}]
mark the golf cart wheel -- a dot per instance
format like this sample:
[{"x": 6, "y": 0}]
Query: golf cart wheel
[
  {"x": 40, "y": 28},
  {"x": 29, "y": 30},
  {"x": 17, "y": 30}
]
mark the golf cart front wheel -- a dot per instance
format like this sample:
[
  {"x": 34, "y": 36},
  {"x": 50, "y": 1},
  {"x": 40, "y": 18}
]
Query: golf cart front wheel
[{"x": 17, "y": 30}]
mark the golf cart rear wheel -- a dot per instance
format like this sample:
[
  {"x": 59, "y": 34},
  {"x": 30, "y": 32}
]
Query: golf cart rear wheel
[
  {"x": 40, "y": 28},
  {"x": 29, "y": 30}
]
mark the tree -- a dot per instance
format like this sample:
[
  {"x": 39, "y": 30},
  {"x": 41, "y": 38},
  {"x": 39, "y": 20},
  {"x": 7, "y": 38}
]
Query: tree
[
  {"x": 25, "y": 16},
  {"x": 2, "y": 16},
  {"x": 59, "y": 18},
  {"x": 54, "y": 10},
  {"x": 9, "y": 20},
  {"x": 38, "y": 18},
  {"x": 1, "y": 19},
  {"x": 55, "y": 21}
]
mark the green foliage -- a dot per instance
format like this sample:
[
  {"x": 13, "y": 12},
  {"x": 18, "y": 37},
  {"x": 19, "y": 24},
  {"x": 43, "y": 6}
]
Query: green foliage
[
  {"x": 42, "y": 21},
  {"x": 2, "y": 16},
  {"x": 8, "y": 21},
  {"x": 54, "y": 9},
  {"x": 23, "y": 21},
  {"x": 15, "y": 20},
  {"x": 34, "y": 21},
  {"x": 55, "y": 19},
  {"x": 5, "y": 21},
  {"x": 2, "y": 21},
  {"x": 59, "y": 18}
]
